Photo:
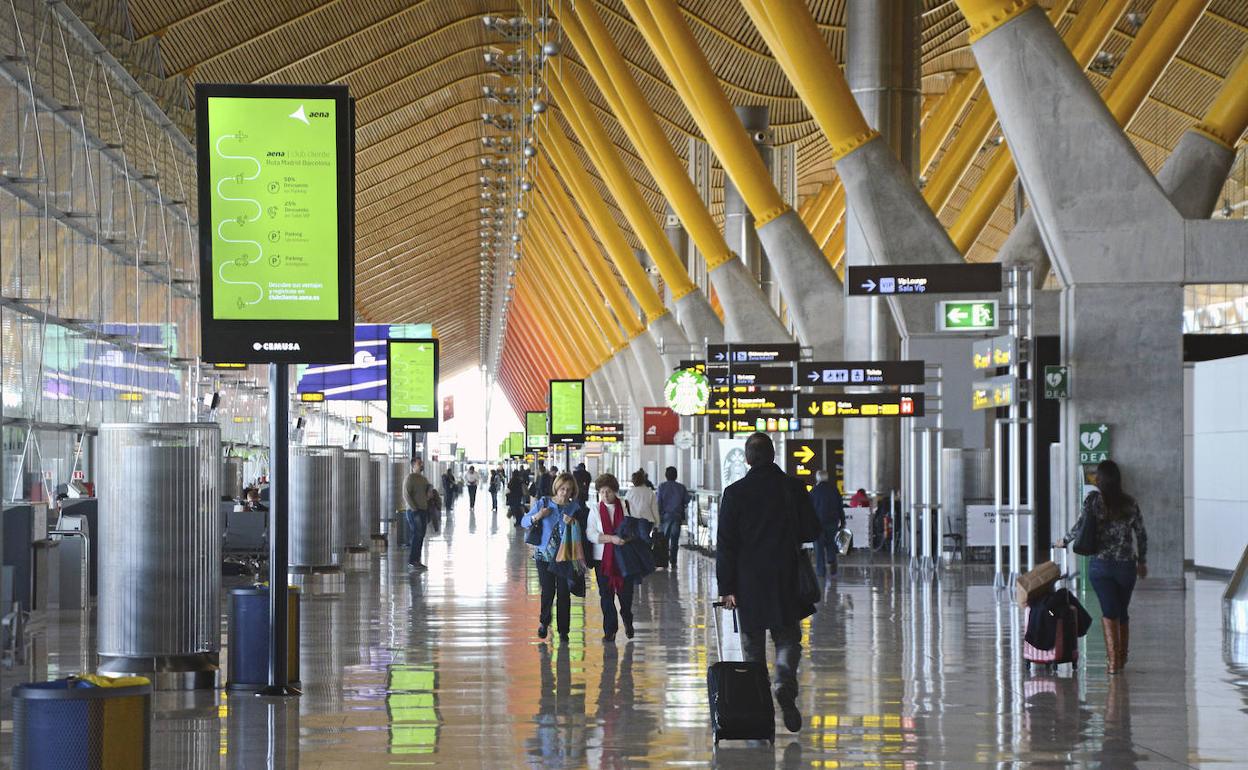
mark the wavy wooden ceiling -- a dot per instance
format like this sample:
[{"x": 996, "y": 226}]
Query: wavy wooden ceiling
[{"x": 417, "y": 72}]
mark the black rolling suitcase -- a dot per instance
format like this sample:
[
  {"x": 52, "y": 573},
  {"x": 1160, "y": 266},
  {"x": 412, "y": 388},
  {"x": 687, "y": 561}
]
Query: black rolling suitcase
[{"x": 740, "y": 696}]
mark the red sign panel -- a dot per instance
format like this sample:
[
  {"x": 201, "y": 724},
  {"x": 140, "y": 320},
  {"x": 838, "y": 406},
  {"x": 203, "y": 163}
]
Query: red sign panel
[
  {"x": 448, "y": 409},
  {"x": 659, "y": 426}
]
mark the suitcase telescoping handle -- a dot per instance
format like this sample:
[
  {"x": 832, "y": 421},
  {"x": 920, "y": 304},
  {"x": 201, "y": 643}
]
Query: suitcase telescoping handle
[{"x": 719, "y": 636}]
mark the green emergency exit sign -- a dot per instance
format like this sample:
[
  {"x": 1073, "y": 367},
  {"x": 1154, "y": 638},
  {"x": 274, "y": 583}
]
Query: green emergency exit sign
[{"x": 967, "y": 316}]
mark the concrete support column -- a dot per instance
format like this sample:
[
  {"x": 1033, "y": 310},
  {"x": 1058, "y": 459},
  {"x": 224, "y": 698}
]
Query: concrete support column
[
  {"x": 739, "y": 232},
  {"x": 882, "y": 68}
]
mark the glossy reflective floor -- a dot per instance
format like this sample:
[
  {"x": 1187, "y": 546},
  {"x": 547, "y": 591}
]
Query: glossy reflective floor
[{"x": 444, "y": 670}]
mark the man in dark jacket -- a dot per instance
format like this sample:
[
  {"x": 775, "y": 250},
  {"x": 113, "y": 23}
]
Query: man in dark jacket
[
  {"x": 583, "y": 480},
  {"x": 830, "y": 511},
  {"x": 763, "y": 520}
]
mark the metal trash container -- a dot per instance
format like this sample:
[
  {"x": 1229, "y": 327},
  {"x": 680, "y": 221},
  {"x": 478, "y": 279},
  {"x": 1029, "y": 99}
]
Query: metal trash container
[
  {"x": 396, "y": 509},
  {"x": 83, "y": 722},
  {"x": 313, "y": 471},
  {"x": 376, "y": 473},
  {"x": 232, "y": 477},
  {"x": 247, "y": 656},
  {"x": 160, "y": 553},
  {"x": 350, "y": 500}
]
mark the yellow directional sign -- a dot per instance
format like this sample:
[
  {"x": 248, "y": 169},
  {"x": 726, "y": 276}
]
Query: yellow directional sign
[{"x": 861, "y": 405}]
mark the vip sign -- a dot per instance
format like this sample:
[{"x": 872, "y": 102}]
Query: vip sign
[{"x": 1095, "y": 442}]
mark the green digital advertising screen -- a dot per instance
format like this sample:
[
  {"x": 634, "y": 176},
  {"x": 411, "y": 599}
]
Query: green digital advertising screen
[
  {"x": 567, "y": 411},
  {"x": 411, "y": 385},
  {"x": 276, "y": 218},
  {"x": 536, "y": 436},
  {"x": 515, "y": 444}
]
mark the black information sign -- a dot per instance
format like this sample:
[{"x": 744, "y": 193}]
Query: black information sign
[
  {"x": 860, "y": 405},
  {"x": 860, "y": 373},
  {"x": 802, "y": 457},
  {"x": 692, "y": 363},
  {"x": 753, "y": 374},
  {"x": 884, "y": 280},
  {"x": 753, "y": 353},
  {"x": 276, "y": 182}
]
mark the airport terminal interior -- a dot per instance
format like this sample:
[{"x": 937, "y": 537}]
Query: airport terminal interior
[{"x": 333, "y": 332}]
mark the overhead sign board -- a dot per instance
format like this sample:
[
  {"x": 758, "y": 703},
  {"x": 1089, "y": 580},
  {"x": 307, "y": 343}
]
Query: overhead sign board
[
  {"x": 604, "y": 432},
  {"x": 889, "y": 280},
  {"x": 993, "y": 353},
  {"x": 763, "y": 424},
  {"x": 515, "y": 444},
  {"x": 753, "y": 374},
  {"x": 1095, "y": 442},
  {"x": 753, "y": 353},
  {"x": 805, "y": 457},
  {"x": 971, "y": 316},
  {"x": 740, "y": 405},
  {"x": 993, "y": 393},
  {"x": 567, "y": 411},
  {"x": 411, "y": 385},
  {"x": 314, "y": 397},
  {"x": 860, "y": 373},
  {"x": 1057, "y": 382},
  {"x": 536, "y": 436},
  {"x": 686, "y": 391},
  {"x": 276, "y": 212},
  {"x": 861, "y": 405}
]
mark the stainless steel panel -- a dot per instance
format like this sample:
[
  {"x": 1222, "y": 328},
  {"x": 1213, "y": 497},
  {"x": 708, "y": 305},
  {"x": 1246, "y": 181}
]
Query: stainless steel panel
[
  {"x": 160, "y": 552},
  {"x": 312, "y": 497},
  {"x": 977, "y": 475},
  {"x": 371, "y": 513}
]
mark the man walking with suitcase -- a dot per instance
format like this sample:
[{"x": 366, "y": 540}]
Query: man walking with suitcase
[{"x": 763, "y": 520}]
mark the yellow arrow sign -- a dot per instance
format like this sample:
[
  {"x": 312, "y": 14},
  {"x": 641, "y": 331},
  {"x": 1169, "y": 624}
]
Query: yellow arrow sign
[
  {"x": 813, "y": 408},
  {"x": 804, "y": 454}
]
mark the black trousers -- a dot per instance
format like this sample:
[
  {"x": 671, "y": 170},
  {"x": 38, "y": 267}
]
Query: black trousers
[
  {"x": 472, "y": 495},
  {"x": 554, "y": 591},
  {"x": 606, "y": 597}
]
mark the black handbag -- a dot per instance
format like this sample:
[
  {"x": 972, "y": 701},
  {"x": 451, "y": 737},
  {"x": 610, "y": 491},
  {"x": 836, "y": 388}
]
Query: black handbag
[
  {"x": 1084, "y": 542},
  {"x": 808, "y": 589},
  {"x": 534, "y": 534}
]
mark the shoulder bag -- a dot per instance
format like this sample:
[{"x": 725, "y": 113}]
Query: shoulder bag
[
  {"x": 534, "y": 535},
  {"x": 1084, "y": 542},
  {"x": 808, "y": 588}
]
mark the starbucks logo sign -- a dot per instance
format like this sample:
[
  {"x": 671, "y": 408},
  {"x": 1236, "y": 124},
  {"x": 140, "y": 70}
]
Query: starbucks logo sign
[{"x": 687, "y": 391}]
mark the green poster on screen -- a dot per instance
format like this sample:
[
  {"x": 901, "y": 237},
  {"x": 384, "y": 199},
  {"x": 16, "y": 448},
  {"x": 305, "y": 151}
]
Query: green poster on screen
[
  {"x": 273, "y": 170},
  {"x": 515, "y": 443},
  {"x": 567, "y": 410},
  {"x": 536, "y": 436},
  {"x": 412, "y": 385}
]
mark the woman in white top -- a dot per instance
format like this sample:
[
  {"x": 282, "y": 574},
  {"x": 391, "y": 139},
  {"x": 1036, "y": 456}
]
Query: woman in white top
[
  {"x": 604, "y": 521},
  {"x": 643, "y": 503}
]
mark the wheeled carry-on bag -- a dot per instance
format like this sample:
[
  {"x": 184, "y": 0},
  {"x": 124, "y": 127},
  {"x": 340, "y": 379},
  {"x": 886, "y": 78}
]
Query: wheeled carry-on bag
[{"x": 740, "y": 695}]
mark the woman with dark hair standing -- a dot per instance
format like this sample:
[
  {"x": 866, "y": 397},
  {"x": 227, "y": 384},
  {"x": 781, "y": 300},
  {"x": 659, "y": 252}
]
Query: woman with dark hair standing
[
  {"x": 1120, "y": 558},
  {"x": 515, "y": 496},
  {"x": 605, "y": 522}
]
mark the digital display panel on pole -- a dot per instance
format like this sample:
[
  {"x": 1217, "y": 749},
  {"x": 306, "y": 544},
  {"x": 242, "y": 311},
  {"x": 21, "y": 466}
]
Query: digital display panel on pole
[
  {"x": 412, "y": 385},
  {"x": 567, "y": 411},
  {"x": 515, "y": 444},
  {"x": 535, "y": 434},
  {"x": 276, "y": 222}
]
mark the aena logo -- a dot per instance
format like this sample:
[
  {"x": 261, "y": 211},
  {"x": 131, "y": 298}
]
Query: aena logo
[{"x": 275, "y": 346}]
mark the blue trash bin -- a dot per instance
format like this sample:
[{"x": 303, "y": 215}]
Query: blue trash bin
[
  {"x": 248, "y": 656},
  {"x": 75, "y": 724}
]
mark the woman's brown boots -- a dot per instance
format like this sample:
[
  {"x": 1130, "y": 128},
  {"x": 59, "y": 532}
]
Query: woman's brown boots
[{"x": 1115, "y": 645}]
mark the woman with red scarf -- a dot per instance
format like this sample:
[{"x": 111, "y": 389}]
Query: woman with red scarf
[{"x": 604, "y": 521}]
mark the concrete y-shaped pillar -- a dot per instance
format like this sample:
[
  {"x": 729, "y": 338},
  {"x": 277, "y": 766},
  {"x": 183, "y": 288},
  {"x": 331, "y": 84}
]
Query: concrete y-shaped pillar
[
  {"x": 747, "y": 315},
  {"x": 1122, "y": 252},
  {"x": 1192, "y": 177},
  {"x": 698, "y": 319},
  {"x": 807, "y": 281}
]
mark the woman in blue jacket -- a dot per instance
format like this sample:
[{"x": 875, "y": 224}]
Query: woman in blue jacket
[{"x": 554, "y": 513}]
